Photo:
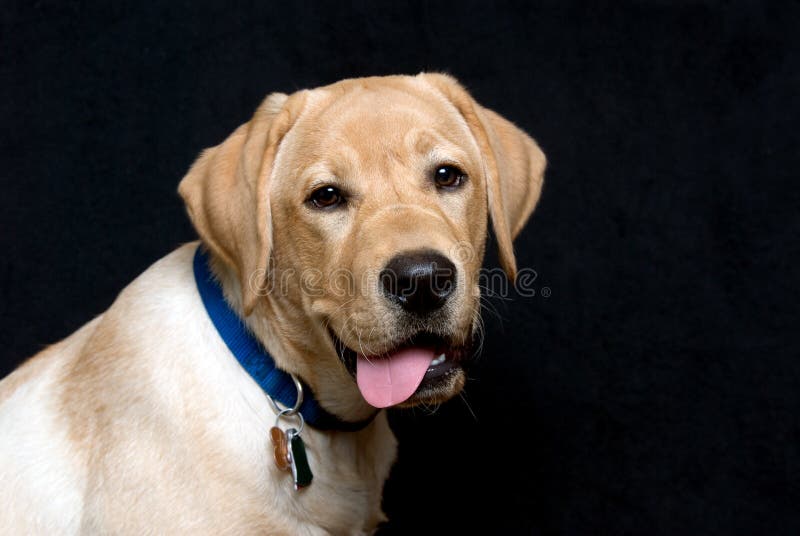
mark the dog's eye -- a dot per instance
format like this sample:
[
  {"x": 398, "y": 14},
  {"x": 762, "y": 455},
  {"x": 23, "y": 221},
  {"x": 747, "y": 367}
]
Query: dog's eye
[
  {"x": 326, "y": 197},
  {"x": 449, "y": 177}
]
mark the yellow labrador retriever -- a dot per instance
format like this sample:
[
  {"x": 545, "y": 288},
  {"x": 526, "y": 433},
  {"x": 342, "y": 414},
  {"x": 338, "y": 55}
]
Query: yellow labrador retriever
[{"x": 342, "y": 230}]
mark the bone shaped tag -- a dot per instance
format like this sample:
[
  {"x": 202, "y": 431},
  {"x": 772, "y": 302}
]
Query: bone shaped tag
[{"x": 280, "y": 446}]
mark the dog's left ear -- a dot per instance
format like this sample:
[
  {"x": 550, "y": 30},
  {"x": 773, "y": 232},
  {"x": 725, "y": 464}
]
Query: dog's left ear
[
  {"x": 226, "y": 192},
  {"x": 514, "y": 166}
]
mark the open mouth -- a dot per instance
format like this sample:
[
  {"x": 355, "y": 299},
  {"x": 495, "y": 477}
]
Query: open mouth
[{"x": 421, "y": 369}]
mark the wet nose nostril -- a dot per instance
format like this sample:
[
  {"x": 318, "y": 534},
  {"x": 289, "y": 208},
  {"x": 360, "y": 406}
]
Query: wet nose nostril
[
  {"x": 420, "y": 281},
  {"x": 390, "y": 282},
  {"x": 443, "y": 281}
]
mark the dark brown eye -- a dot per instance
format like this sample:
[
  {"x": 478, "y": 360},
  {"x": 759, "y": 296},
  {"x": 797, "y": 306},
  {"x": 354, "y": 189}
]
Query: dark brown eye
[
  {"x": 326, "y": 197},
  {"x": 449, "y": 177}
]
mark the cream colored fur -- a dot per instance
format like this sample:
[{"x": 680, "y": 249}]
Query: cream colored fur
[{"x": 151, "y": 427}]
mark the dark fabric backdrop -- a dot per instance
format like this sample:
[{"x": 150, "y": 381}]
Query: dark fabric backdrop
[{"x": 655, "y": 391}]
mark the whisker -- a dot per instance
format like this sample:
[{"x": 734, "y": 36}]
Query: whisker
[
  {"x": 493, "y": 294},
  {"x": 371, "y": 331},
  {"x": 469, "y": 408},
  {"x": 330, "y": 316},
  {"x": 361, "y": 346},
  {"x": 490, "y": 307}
]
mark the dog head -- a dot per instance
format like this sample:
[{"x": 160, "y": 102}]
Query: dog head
[{"x": 354, "y": 219}]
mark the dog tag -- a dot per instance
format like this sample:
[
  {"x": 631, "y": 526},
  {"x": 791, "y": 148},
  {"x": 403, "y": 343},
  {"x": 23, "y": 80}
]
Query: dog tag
[
  {"x": 280, "y": 445},
  {"x": 301, "y": 471}
]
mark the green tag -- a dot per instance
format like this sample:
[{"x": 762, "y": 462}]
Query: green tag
[{"x": 301, "y": 472}]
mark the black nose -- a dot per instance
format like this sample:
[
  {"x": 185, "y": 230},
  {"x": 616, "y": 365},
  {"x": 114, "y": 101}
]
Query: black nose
[{"x": 419, "y": 281}]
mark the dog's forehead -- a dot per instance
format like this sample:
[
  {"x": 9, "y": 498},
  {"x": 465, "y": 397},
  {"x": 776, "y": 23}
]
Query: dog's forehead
[{"x": 375, "y": 115}]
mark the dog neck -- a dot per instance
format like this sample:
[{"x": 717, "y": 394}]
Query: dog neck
[{"x": 270, "y": 356}]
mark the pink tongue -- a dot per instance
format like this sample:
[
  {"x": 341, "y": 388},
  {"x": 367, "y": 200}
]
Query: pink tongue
[{"x": 386, "y": 381}]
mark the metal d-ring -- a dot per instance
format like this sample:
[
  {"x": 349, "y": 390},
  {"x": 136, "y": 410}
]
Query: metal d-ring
[{"x": 288, "y": 412}]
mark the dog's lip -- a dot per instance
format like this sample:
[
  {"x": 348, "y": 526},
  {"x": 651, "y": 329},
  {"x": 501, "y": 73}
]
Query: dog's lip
[
  {"x": 455, "y": 355},
  {"x": 437, "y": 370}
]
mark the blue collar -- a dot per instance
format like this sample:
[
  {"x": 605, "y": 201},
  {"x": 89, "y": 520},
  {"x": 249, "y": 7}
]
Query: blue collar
[{"x": 254, "y": 358}]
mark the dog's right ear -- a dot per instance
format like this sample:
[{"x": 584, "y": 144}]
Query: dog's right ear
[{"x": 226, "y": 192}]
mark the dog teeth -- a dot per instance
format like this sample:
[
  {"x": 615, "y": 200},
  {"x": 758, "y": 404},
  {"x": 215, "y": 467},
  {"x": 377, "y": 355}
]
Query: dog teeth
[{"x": 438, "y": 361}]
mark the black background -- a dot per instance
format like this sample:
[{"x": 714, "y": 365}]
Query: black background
[{"x": 655, "y": 391}]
